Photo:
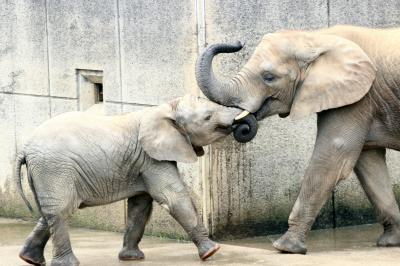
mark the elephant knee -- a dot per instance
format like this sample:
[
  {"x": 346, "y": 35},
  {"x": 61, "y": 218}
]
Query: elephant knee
[
  {"x": 173, "y": 201},
  {"x": 338, "y": 144},
  {"x": 169, "y": 193},
  {"x": 165, "y": 206},
  {"x": 171, "y": 198},
  {"x": 163, "y": 199},
  {"x": 338, "y": 160}
]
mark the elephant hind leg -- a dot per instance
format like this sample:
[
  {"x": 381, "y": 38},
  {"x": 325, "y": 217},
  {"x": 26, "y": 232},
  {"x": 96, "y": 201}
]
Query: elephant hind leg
[
  {"x": 32, "y": 252},
  {"x": 62, "y": 251},
  {"x": 58, "y": 200},
  {"x": 139, "y": 211},
  {"x": 371, "y": 170}
]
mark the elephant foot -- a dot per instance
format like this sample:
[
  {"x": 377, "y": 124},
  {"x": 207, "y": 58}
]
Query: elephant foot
[
  {"x": 33, "y": 261},
  {"x": 389, "y": 238},
  {"x": 131, "y": 254},
  {"x": 207, "y": 248},
  {"x": 66, "y": 260},
  {"x": 290, "y": 244},
  {"x": 33, "y": 255}
]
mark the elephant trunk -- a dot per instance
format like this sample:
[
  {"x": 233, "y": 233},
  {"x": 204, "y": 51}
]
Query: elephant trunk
[
  {"x": 245, "y": 129},
  {"x": 225, "y": 93}
]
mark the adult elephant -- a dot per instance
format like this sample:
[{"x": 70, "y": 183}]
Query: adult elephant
[{"x": 349, "y": 76}]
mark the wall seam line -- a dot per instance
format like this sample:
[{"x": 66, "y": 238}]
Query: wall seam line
[
  {"x": 205, "y": 161},
  {"x": 201, "y": 25},
  {"x": 15, "y": 125},
  {"x": 334, "y": 225},
  {"x": 130, "y": 103},
  {"x": 119, "y": 52},
  {"x": 38, "y": 95},
  {"x": 120, "y": 88},
  {"x": 328, "y": 10},
  {"x": 48, "y": 56}
]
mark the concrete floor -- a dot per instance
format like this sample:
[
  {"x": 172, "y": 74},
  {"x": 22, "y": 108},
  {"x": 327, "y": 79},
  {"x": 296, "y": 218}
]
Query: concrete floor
[{"x": 345, "y": 247}]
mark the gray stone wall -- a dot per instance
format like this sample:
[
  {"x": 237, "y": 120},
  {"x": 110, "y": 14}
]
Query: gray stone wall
[{"x": 146, "y": 51}]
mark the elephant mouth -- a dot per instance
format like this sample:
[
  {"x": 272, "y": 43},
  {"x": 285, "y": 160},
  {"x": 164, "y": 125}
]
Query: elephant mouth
[
  {"x": 265, "y": 109},
  {"x": 224, "y": 129},
  {"x": 262, "y": 112},
  {"x": 198, "y": 150},
  {"x": 283, "y": 115}
]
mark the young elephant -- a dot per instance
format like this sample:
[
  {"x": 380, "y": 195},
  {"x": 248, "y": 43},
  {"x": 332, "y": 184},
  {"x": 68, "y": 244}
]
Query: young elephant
[{"x": 79, "y": 160}]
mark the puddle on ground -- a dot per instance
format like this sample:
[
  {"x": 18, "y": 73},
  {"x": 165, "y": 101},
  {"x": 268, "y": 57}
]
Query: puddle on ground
[{"x": 338, "y": 239}]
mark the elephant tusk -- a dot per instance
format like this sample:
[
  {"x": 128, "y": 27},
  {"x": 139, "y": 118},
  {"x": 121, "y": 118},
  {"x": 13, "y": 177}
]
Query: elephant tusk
[{"x": 242, "y": 114}]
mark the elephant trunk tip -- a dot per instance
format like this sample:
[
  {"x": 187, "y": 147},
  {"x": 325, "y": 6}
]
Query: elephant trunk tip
[
  {"x": 218, "y": 48},
  {"x": 245, "y": 128}
]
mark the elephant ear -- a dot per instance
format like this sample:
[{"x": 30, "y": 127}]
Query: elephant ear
[
  {"x": 339, "y": 73},
  {"x": 162, "y": 139}
]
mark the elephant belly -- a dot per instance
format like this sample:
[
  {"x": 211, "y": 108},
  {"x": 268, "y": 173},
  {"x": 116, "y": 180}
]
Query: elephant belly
[
  {"x": 112, "y": 192},
  {"x": 382, "y": 135}
]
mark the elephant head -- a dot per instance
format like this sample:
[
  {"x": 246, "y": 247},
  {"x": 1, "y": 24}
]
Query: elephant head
[
  {"x": 176, "y": 131},
  {"x": 290, "y": 72}
]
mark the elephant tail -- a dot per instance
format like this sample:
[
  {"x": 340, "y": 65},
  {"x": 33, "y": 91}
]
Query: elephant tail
[{"x": 20, "y": 161}]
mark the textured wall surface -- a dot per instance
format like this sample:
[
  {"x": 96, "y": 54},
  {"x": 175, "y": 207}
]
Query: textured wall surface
[{"x": 146, "y": 51}]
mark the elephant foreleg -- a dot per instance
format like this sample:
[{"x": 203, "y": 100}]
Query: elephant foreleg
[
  {"x": 139, "y": 211},
  {"x": 166, "y": 187},
  {"x": 339, "y": 142},
  {"x": 32, "y": 251},
  {"x": 371, "y": 170},
  {"x": 181, "y": 207}
]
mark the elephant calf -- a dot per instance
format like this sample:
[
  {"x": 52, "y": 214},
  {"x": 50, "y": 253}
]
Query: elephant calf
[{"x": 79, "y": 160}]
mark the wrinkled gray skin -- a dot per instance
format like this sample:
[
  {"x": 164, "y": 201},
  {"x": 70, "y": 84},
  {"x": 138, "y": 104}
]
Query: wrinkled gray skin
[
  {"x": 80, "y": 159},
  {"x": 350, "y": 77}
]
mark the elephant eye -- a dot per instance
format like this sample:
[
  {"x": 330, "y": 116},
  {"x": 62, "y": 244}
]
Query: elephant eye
[
  {"x": 207, "y": 118},
  {"x": 268, "y": 77}
]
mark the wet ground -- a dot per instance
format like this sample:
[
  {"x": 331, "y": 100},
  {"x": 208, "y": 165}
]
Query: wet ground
[{"x": 344, "y": 247}]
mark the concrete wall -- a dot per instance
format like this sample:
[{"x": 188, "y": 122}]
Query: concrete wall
[{"x": 146, "y": 51}]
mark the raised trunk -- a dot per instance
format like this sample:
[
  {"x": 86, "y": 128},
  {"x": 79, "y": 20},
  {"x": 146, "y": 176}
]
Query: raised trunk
[{"x": 225, "y": 93}]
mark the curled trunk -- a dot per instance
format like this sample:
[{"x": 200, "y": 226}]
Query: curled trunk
[{"x": 245, "y": 129}]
